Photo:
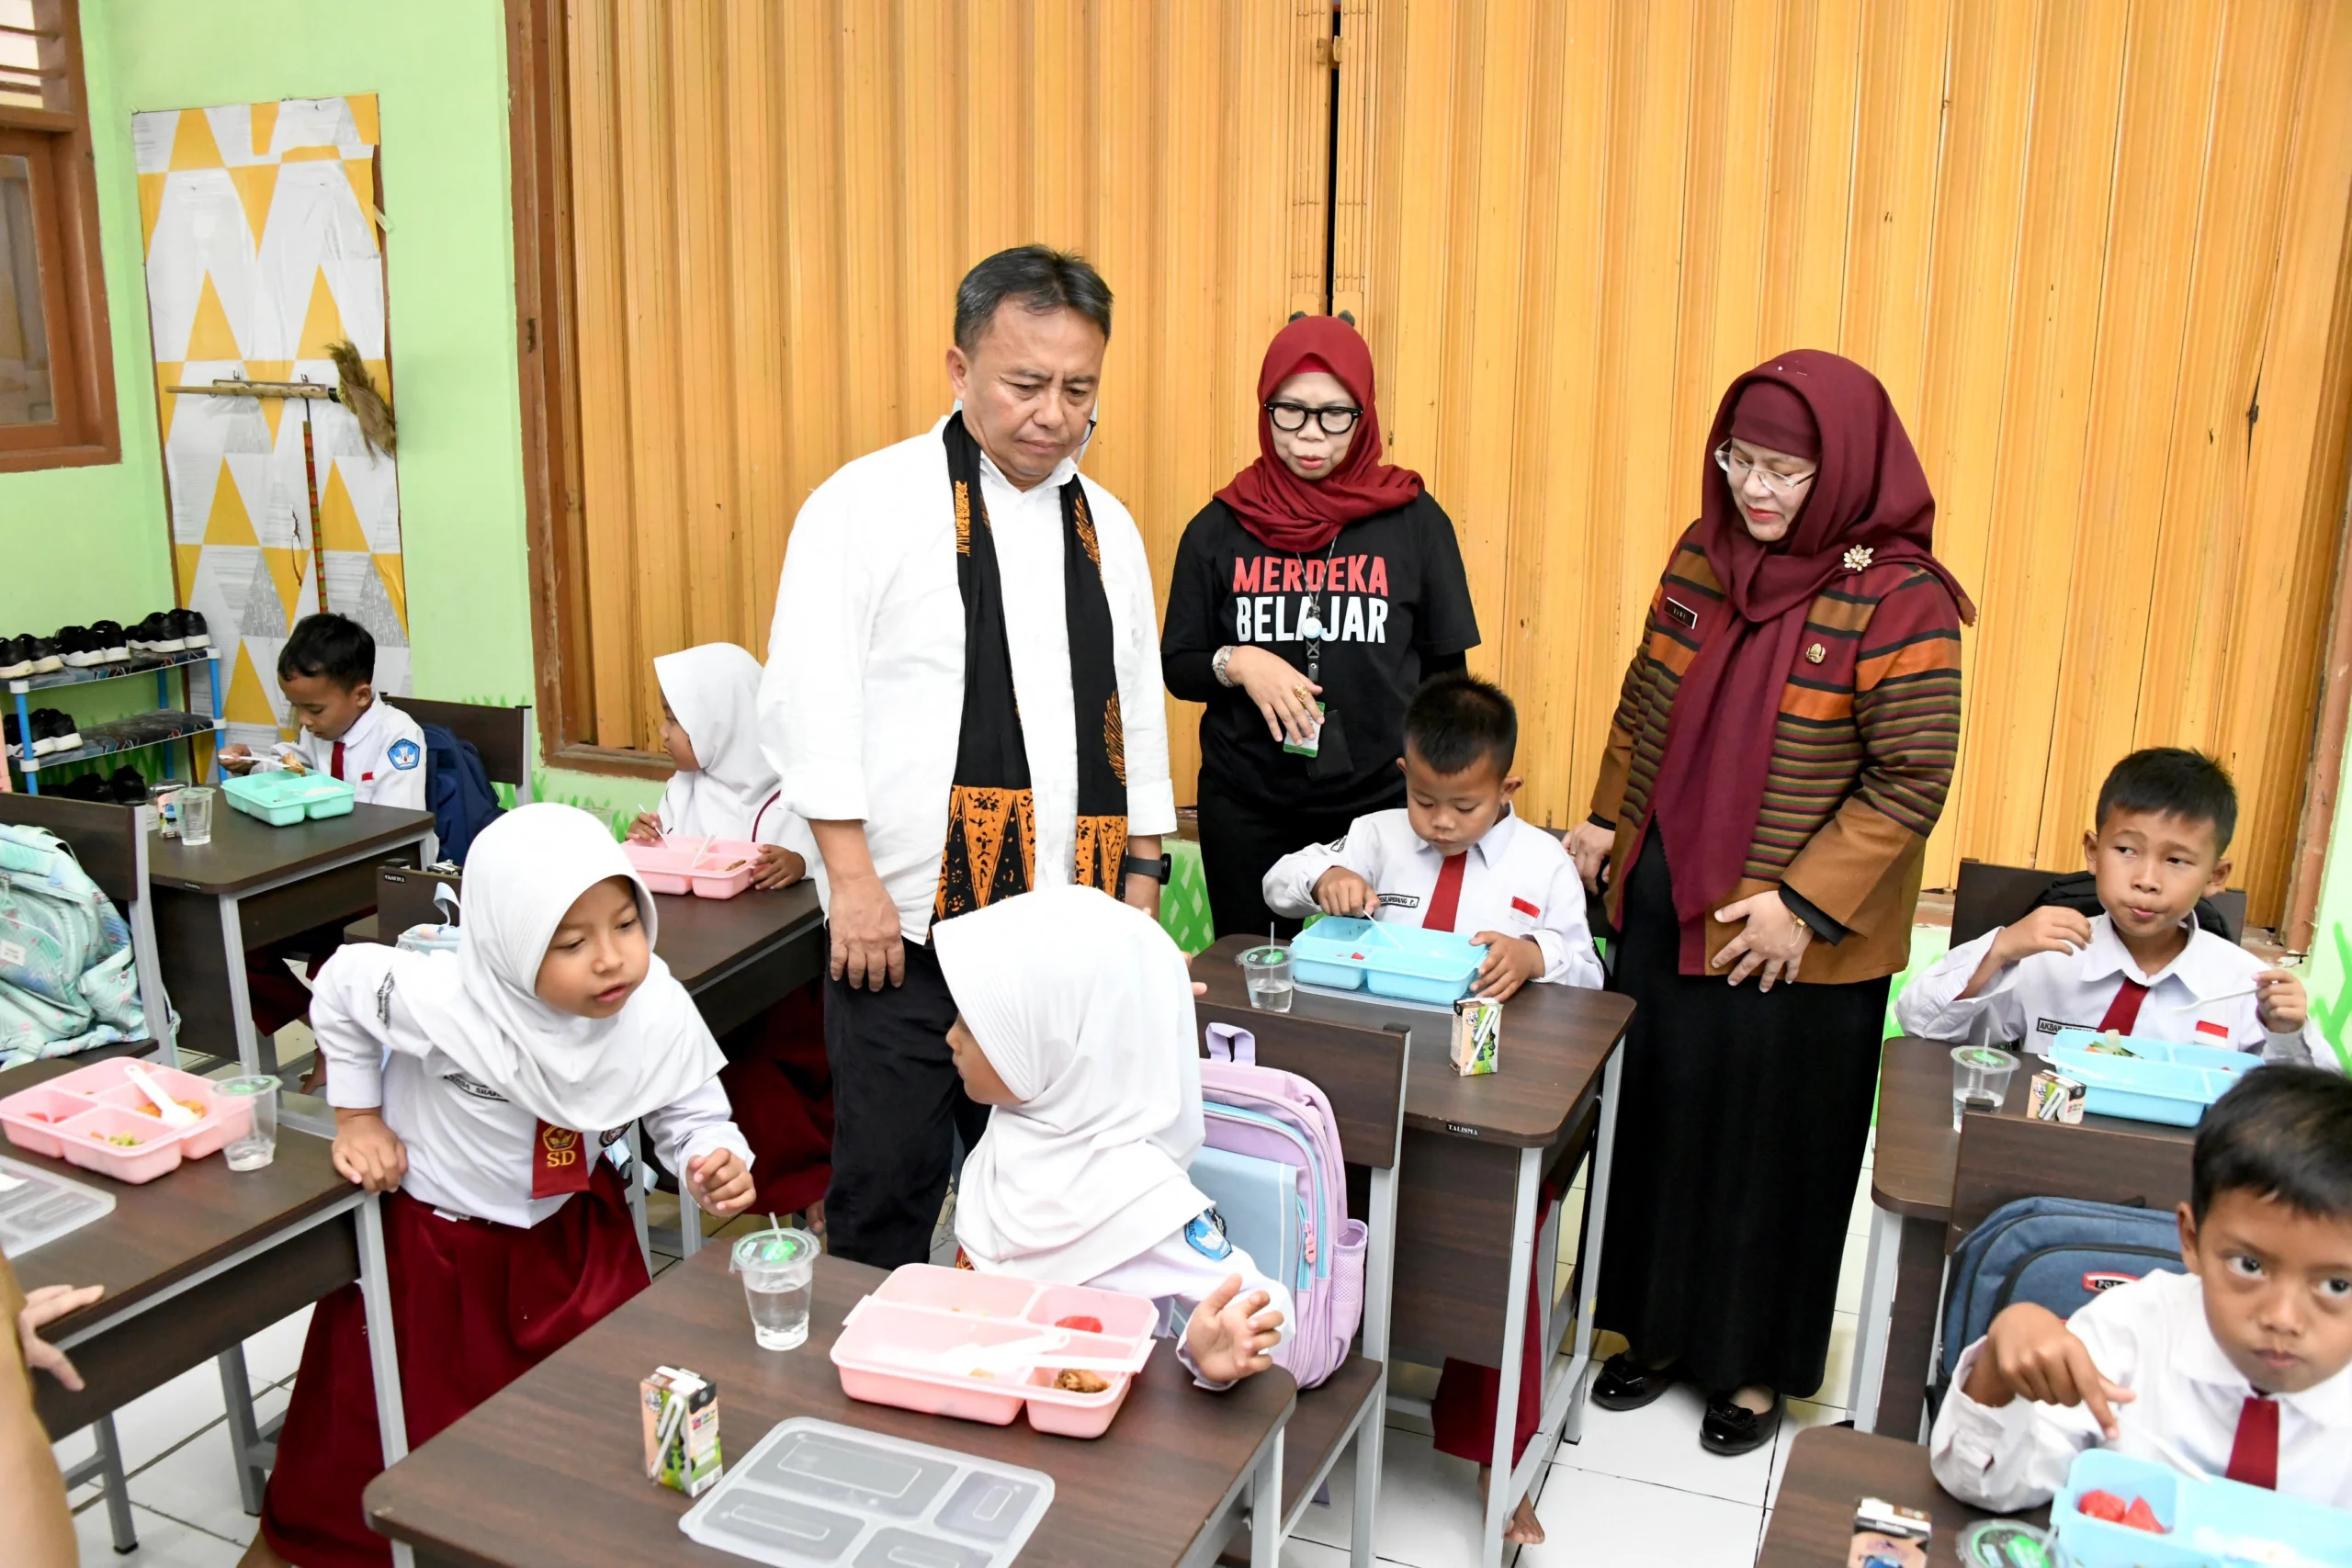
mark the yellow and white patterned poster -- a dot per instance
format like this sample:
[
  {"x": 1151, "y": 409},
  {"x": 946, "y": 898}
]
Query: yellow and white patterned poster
[{"x": 262, "y": 247}]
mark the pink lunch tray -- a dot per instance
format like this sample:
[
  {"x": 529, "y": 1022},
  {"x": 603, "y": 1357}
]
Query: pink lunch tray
[
  {"x": 888, "y": 1349},
  {"x": 59, "y": 1118},
  {"x": 708, "y": 868}
]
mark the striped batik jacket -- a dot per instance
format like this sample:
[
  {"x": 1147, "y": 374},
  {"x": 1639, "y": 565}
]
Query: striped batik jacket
[{"x": 1863, "y": 752}]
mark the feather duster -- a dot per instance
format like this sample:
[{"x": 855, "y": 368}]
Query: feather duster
[{"x": 357, "y": 393}]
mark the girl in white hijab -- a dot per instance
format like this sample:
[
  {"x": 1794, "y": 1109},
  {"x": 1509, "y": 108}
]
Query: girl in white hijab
[
  {"x": 724, "y": 787},
  {"x": 1075, "y": 1022}
]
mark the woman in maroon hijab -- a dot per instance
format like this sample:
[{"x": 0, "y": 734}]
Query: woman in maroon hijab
[
  {"x": 1780, "y": 751},
  {"x": 1321, "y": 578}
]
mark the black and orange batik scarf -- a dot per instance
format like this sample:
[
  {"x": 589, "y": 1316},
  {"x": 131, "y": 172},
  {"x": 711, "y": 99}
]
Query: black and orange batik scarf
[{"x": 993, "y": 812}]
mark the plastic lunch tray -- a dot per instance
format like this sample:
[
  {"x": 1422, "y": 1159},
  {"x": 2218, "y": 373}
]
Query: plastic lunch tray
[
  {"x": 59, "y": 1118},
  {"x": 37, "y": 1205},
  {"x": 282, "y": 799},
  {"x": 708, "y": 868},
  {"x": 2203, "y": 1517},
  {"x": 2161, "y": 1081},
  {"x": 890, "y": 1345},
  {"x": 1390, "y": 959},
  {"x": 814, "y": 1493}
]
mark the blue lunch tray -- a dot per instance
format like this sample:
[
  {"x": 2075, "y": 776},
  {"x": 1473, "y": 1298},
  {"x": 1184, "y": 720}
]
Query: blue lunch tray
[
  {"x": 2202, "y": 1518},
  {"x": 2161, "y": 1081},
  {"x": 1407, "y": 962}
]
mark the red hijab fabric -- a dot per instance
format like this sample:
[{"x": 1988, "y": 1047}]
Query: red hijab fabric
[
  {"x": 1871, "y": 493},
  {"x": 1295, "y": 514}
]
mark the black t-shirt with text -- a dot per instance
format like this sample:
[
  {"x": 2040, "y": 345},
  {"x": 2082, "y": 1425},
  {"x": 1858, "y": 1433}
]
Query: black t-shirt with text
[{"x": 1391, "y": 597}]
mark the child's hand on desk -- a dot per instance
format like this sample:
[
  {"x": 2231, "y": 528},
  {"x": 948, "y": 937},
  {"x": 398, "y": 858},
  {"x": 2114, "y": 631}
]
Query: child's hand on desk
[
  {"x": 1339, "y": 891},
  {"x": 2279, "y": 1001},
  {"x": 368, "y": 1152},
  {"x": 646, "y": 830},
  {"x": 2030, "y": 1350},
  {"x": 1511, "y": 962},
  {"x": 779, "y": 867},
  {"x": 720, "y": 1182},
  {"x": 1231, "y": 1336},
  {"x": 44, "y": 1307}
]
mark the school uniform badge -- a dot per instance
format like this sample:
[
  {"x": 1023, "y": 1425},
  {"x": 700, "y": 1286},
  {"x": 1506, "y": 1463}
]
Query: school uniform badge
[
  {"x": 1207, "y": 1236},
  {"x": 404, "y": 754}
]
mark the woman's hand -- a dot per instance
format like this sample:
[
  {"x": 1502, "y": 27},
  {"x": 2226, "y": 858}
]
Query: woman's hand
[
  {"x": 779, "y": 867},
  {"x": 1284, "y": 695},
  {"x": 45, "y": 1306},
  {"x": 1590, "y": 845},
  {"x": 1773, "y": 941},
  {"x": 367, "y": 1152}
]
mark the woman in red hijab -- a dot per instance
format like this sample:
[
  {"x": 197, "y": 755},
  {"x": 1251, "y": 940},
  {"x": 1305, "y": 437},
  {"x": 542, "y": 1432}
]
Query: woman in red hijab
[
  {"x": 1782, "y": 749},
  {"x": 1310, "y": 598}
]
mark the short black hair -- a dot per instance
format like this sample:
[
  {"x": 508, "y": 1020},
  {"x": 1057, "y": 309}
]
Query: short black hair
[
  {"x": 2176, "y": 781},
  {"x": 1455, "y": 719},
  {"x": 2282, "y": 1132},
  {"x": 1041, "y": 277},
  {"x": 333, "y": 646}
]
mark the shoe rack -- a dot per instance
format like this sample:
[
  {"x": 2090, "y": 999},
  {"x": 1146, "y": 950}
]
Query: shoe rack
[{"x": 163, "y": 725}]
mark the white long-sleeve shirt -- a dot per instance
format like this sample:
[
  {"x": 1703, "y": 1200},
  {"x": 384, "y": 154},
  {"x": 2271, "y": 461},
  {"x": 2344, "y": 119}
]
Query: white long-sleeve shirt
[
  {"x": 1518, "y": 880},
  {"x": 2151, "y": 1337},
  {"x": 1180, "y": 1271},
  {"x": 383, "y": 757},
  {"x": 2191, "y": 1001},
  {"x": 862, "y": 704}
]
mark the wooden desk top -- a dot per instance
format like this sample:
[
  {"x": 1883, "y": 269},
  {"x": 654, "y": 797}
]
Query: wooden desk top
[
  {"x": 164, "y": 1230},
  {"x": 1831, "y": 1467},
  {"x": 1556, "y": 1041},
  {"x": 245, "y": 851},
  {"x": 699, "y": 937},
  {"x": 561, "y": 1448},
  {"x": 1918, "y": 1152}
]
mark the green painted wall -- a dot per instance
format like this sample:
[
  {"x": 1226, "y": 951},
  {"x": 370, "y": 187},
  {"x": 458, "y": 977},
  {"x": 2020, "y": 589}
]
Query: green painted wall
[{"x": 2329, "y": 976}]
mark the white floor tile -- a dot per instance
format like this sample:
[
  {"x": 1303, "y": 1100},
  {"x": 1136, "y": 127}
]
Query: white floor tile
[
  {"x": 1851, "y": 1266},
  {"x": 1659, "y": 1444},
  {"x": 1802, "y": 1414},
  {"x": 272, "y": 1355},
  {"x": 1858, "y": 1220},
  {"x": 163, "y": 1417},
  {"x": 196, "y": 1484},
  {"x": 1838, "y": 1373},
  {"x": 1763, "y": 1527},
  {"x": 1591, "y": 1520},
  {"x": 163, "y": 1543},
  {"x": 1429, "y": 1505}
]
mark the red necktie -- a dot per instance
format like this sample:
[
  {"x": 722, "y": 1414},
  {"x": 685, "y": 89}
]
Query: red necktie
[
  {"x": 336, "y": 766},
  {"x": 2254, "y": 1458},
  {"x": 1445, "y": 894},
  {"x": 2124, "y": 1010}
]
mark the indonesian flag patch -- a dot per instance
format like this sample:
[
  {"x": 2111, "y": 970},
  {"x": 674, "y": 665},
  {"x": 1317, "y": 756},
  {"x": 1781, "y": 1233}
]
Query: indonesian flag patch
[
  {"x": 1521, "y": 906},
  {"x": 2207, "y": 1026}
]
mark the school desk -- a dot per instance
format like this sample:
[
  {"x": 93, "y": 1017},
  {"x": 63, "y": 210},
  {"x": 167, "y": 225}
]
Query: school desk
[
  {"x": 1830, "y": 1469},
  {"x": 1915, "y": 1220},
  {"x": 552, "y": 1468},
  {"x": 253, "y": 885},
  {"x": 224, "y": 1254},
  {"x": 1470, "y": 1182}
]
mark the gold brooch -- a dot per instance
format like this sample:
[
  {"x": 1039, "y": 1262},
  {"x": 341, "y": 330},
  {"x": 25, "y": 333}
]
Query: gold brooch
[
  {"x": 1815, "y": 654},
  {"x": 1858, "y": 559}
]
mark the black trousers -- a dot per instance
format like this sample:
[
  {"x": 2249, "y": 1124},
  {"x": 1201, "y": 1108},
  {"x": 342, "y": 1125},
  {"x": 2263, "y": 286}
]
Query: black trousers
[
  {"x": 898, "y": 1107},
  {"x": 1241, "y": 838}
]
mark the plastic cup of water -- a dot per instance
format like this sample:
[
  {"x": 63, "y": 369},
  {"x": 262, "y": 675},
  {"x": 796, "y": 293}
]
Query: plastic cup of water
[
  {"x": 1980, "y": 1079},
  {"x": 196, "y": 815},
  {"x": 256, "y": 1145},
  {"x": 778, "y": 1267},
  {"x": 1267, "y": 969}
]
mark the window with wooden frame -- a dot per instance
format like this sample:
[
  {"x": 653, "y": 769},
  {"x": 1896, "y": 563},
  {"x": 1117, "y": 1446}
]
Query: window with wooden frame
[{"x": 57, "y": 406}]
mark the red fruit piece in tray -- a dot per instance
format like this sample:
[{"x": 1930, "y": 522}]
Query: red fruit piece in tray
[
  {"x": 2140, "y": 1517},
  {"x": 2100, "y": 1505},
  {"x": 1081, "y": 1325}
]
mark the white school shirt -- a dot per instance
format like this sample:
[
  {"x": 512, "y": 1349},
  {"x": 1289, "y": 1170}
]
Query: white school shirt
[
  {"x": 2151, "y": 1337},
  {"x": 862, "y": 704},
  {"x": 383, "y": 758},
  {"x": 470, "y": 1149},
  {"x": 1518, "y": 880},
  {"x": 2043, "y": 993},
  {"x": 1181, "y": 1271}
]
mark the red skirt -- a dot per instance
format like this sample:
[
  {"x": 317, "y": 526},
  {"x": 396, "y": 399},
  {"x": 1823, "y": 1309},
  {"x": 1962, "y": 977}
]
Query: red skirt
[
  {"x": 1462, "y": 1416},
  {"x": 474, "y": 1306},
  {"x": 780, "y": 1091}
]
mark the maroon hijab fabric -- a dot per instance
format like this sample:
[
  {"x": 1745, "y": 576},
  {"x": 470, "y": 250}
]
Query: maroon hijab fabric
[
  {"x": 1870, "y": 492},
  {"x": 1291, "y": 513}
]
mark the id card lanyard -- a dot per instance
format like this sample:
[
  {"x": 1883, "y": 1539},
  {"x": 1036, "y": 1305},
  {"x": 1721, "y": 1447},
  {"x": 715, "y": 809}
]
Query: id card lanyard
[{"x": 1312, "y": 627}]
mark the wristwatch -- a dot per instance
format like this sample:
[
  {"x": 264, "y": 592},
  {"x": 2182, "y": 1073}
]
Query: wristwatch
[
  {"x": 1157, "y": 870},
  {"x": 1223, "y": 657}
]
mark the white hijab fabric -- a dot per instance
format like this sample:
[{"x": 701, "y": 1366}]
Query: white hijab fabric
[
  {"x": 715, "y": 692},
  {"x": 1085, "y": 1006},
  {"x": 481, "y": 1007}
]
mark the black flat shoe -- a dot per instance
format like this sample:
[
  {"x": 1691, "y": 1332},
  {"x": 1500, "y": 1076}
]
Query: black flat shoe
[
  {"x": 1625, "y": 1384},
  {"x": 1731, "y": 1429}
]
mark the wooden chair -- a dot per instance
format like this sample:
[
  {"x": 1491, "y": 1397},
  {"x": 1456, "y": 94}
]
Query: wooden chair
[
  {"x": 501, "y": 734},
  {"x": 1990, "y": 894},
  {"x": 1362, "y": 1072}
]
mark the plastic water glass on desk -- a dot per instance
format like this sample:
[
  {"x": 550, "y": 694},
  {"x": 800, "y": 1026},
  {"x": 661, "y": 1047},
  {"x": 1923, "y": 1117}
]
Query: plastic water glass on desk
[
  {"x": 1267, "y": 970},
  {"x": 196, "y": 815},
  {"x": 778, "y": 1267},
  {"x": 1980, "y": 1079},
  {"x": 256, "y": 1145}
]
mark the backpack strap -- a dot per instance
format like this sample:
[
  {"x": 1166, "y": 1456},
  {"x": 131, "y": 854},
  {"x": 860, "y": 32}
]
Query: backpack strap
[{"x": 1231, "y": 1043}]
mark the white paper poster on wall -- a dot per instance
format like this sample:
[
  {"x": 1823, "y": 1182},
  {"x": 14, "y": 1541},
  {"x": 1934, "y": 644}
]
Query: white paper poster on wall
[{"x": 262, "y": 247}]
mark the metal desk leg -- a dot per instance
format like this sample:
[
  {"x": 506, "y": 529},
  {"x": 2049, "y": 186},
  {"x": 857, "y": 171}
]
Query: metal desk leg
[
  {"x": 637, "y": 1197},
  {"x": 241, "y": 1002},
  {"x": 1872, "y": 1323},
  {"x": 1266, "y": 1509},
  {"x": 376, "y": 1297},
  {"x": 118, "y": 1486},
  {"x": 1500, "y": 1498},
  {"x": 1596, "y": 1208},
  {"x": 689, "y": 1220},
  {"x": 244, "y": 1432}
]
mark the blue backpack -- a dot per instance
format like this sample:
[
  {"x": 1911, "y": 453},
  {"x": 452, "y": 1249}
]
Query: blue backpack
[
  {"x": 456, "y": 791},
  {"x": 2055, "y": 1252}
]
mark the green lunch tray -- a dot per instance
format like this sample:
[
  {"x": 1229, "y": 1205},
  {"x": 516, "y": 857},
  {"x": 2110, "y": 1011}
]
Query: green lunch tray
[{"x": 283, "y": 799}]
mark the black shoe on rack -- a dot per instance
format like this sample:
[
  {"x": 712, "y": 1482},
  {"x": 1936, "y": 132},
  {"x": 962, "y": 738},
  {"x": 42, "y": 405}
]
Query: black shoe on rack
[
  {"x": 111, "y": 643},
  {"x": 127, "y": 787},
  {"x": 8, "y": 730},
  {"x": 73, "y": 646},
  {"x": 47, "y": 659},
  {"x": 194, "y": 633},
  {"x": 150, "y": 636},
  {"x": 63, "y": 736},
  {"x": 16, "y": 658},
  {"x": 87, "y": 786}
]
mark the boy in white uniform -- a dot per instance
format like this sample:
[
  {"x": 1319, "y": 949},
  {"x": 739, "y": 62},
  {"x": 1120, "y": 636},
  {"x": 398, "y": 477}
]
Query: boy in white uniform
[
  {"x": 1455, "y": 857},
  {"x": 2235, "y": 1369},
  {"x": 327, "y": 670},
  {"x": 2143, "y": 966}
]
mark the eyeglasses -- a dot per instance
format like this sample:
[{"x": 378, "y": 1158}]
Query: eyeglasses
[
  {"x": 1291, "y": 418},
  {"x": 1737, "y": 469}
]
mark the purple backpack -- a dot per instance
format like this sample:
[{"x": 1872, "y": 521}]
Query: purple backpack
[{"x": 1278, "y": 1116}]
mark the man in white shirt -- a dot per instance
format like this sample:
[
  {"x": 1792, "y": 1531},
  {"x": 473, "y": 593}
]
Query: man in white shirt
[{"x": 963, "y": 700}]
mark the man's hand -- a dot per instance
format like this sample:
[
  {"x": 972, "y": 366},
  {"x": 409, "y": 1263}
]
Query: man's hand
[
  {"x": 645, "y": 830},
  {"x": 44, "y": 1307},
  {"x": 2030, "y": 1351},
  {"x": 1589, "y": 847},
  {"x": 366, "y": 1152},
  {"x": 720, "y": 1182},
  {"x": 2279, "y": 1001},
  {"x": 1511, "y": 962},
  {"x": 1774, "y": 940},
  {"x": 867, "y": 947},
  {"x": 1339, "y": 891},
  {"x": 779, "y": 867},
  {"x": 1233, "y": 1338}
]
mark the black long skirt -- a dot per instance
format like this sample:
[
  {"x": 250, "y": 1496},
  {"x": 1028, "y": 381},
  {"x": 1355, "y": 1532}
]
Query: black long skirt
[{"x": 1738, "y": 1142}]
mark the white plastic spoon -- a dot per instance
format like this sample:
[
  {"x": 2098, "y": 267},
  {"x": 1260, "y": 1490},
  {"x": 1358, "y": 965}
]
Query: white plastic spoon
[{"x": 175, "y": 1114}]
